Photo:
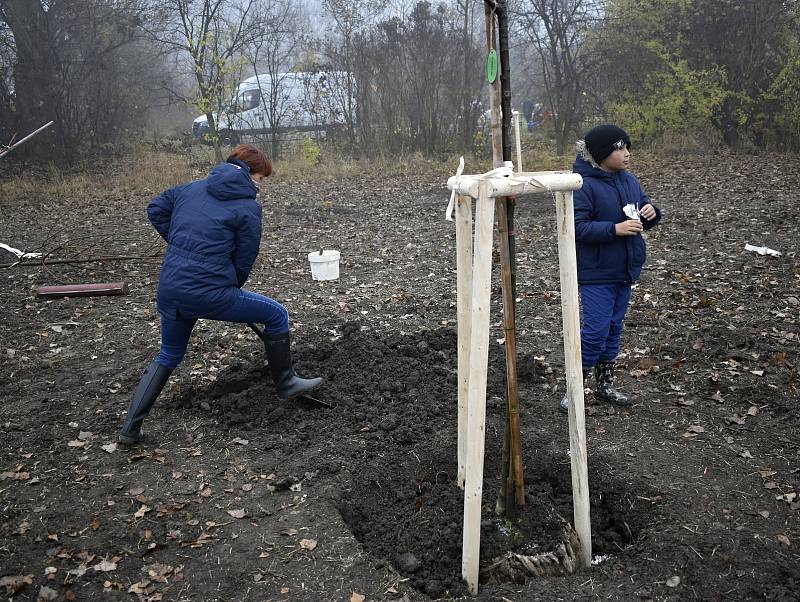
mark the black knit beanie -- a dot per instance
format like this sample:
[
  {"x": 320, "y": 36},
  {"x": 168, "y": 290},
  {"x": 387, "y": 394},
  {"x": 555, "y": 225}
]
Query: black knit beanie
[{"x": 602, "y": 140}]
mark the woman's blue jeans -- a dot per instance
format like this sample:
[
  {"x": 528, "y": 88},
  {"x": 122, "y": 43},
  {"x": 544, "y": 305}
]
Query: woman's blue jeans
[
  {"x": 604, "y": 307},
  {"x": 249, "y": 307}
]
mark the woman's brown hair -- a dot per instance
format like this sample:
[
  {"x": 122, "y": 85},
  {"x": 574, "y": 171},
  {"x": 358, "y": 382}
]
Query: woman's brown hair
[{"x": 256, "y": 161}]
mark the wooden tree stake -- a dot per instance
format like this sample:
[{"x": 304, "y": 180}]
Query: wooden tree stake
[
  {"x": 568, "y": 268},
  {"x": 463, "y": 307},
  {"x": 478, "y": 365}
]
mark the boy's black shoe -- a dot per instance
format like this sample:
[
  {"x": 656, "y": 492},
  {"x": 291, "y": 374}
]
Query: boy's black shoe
[
  {"x": 604, "y": 375},
  {"x": 563, "y": 405}
]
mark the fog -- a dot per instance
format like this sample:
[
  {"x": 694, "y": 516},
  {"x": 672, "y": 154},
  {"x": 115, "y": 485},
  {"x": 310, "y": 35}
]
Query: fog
[{"x": 394, "y": 76}]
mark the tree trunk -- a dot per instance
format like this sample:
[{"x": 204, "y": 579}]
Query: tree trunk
[{"x": 35, "y": 74}]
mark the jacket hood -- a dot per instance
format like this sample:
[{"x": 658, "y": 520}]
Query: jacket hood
[
  {"x": 585, "y": 165},
  {"x": 231, "y": 181}
]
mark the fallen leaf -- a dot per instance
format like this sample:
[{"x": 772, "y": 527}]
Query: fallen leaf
[
  {"x": 17, "y": 476},
  {"x": 136, "y": 491},
  {"x": 15, "y": 583},
  {"x": 238, "y": 441},
  {"x": 764, "y": 513},
  {"x": 356, "y": 597},
  {"x": 736, "y": 418},
  {"x": 784, "y": 540},
  {"x": 247, "y": 487},
  {"x": 770, "y": 485},
  {"x": 46, "y": 594},
  {"x": 717, "y": 397},
  {"x": 284, "y": 590},
  {"x": 746, "y": 454},
  {"x": 237, "y": 513},
  {"x": 75, "y": 443},
  {"x": 289, "y": 532},
  {"x": 85, "y": 435},
  {"x": 673, "y": 581},
  {"x": 753, "y": 411},
  {"x": 696, "y": 428},
  {"x": 757, "y": 372},
  {"x": 308, "y": 544},
  {"x": 105, "y": 566},
  {"x": 109, "y": 447},
  {"x": 142, "y": 511}
]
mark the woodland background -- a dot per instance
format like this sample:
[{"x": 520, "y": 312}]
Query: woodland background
[{"x": 678, "y": 74}]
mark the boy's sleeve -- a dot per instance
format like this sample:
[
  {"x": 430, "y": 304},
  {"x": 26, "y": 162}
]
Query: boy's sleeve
[
  {"x": 645, "y": 200},
  {"x": 588, "y": 230},
  {"x": 247, "y": 243},
  {"x": 159, "y": 210}
]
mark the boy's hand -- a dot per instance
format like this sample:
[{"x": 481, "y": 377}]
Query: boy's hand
[
  {"x": 630, "y": 227},
  {"x": 648, "y": 212}
]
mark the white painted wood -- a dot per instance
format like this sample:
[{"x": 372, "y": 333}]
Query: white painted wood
[
  {"x": 568, "y": 269},
  {"x": 518, "y": 140},
  {"x": 479, "y": 359},
  {"x": 463, "y": 308},
  {"x": 504, "y": 182}
]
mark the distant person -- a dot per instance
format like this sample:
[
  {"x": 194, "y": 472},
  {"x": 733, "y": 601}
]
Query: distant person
[
  {"x": 611, "y": 211},
  {"x": 527, "y": 109},
  {"x": 213, "y": 232}
]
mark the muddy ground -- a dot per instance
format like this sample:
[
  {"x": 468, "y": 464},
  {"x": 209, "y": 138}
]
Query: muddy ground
[{"x": 694, "y": 489}]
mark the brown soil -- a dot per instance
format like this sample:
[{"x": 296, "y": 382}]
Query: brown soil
[{"x": 245, "y": 497}]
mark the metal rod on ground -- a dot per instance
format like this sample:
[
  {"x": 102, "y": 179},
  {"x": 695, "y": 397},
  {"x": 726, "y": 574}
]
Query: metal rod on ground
[
  {"x": 568, "y": 269},
  {"x": 28, "y": 137},
  {"x": 83, "y": 290}
]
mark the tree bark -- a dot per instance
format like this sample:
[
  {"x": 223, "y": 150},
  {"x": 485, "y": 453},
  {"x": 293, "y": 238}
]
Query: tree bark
[{"x": 35, "y": 74}]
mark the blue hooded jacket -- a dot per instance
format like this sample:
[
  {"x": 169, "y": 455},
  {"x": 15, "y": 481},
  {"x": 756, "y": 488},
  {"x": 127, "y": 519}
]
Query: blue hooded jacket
[
  {"x": 213, "y": 232},
  {"x": 604, "y": 257}
]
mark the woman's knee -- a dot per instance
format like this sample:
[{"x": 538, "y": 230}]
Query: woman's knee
[
  {"x": 169, "y": 359},
  {"x": 278, "y": 320}
]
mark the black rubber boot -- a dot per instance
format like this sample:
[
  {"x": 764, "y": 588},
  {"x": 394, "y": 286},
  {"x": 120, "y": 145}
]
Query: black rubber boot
[
  {"x": 153, "y": 380},
  {"x": 564, "y": 404},
  {"x": 287, "y": 383},
  {"x": 604, "y": 375}
]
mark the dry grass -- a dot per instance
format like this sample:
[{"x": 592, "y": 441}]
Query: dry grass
[
  {"x": 147, "y": 171},
  {"x": 144, "y": 172}
]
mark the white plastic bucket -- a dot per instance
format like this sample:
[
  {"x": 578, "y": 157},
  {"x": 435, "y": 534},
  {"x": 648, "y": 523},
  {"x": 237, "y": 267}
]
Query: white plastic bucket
[{"x": 324, "y": 266}]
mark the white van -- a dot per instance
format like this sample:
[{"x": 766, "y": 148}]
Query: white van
[{"x": 297, "y": 102}]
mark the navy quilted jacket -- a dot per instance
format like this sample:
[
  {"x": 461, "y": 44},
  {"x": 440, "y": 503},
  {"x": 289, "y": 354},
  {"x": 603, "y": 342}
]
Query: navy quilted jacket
[
  {"x": 213, "y": 232},
  {"x": 604, "y": 257}
]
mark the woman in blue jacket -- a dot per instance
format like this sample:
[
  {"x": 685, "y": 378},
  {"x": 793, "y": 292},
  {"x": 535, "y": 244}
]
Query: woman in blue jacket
[
  {"x": 611, "y": 211},
  {"x": 213, "y": 231}
]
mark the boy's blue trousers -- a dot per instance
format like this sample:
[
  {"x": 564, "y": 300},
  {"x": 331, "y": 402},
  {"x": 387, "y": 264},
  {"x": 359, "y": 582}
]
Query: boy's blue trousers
[
  {"x": 249, "y": 307},
  {"x": 604, "y": 307}
]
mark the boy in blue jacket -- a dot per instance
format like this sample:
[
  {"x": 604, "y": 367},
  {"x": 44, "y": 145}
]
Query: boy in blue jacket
[
  {"x": 611, "y": 211},
  {"x": 212, "y": 228}
]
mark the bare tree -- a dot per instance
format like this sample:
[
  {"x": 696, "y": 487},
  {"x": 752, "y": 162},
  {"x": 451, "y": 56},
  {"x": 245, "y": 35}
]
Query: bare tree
[
  {"x": 557, "y": 29},
  {"x": 345, "y": 54},
  {"x": 71, "y": 62},
  {"x": 273, "y": 53},
  {"x": 215, "y": 35}
]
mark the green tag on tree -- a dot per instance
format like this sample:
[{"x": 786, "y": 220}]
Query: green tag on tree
[{"x": 491, "y": 66}]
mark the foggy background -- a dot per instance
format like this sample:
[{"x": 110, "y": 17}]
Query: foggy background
[{"x": 406, "y": 76}]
